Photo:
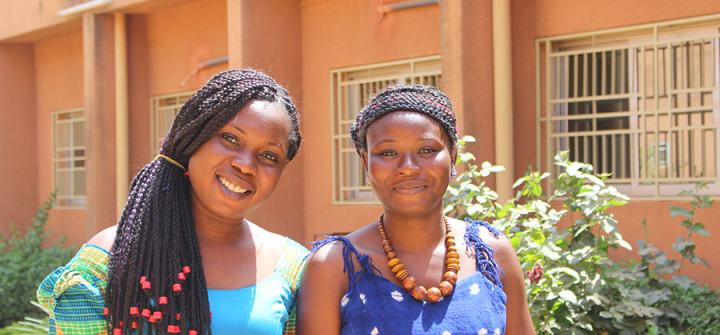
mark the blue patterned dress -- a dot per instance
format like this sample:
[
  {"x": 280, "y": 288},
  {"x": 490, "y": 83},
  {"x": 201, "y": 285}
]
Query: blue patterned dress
[{"x": 375, "y": 306}]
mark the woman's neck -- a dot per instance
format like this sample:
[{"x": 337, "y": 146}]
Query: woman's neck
[
  {"x": 414, "y": 234},
  {"x": 212, "y": 231}
]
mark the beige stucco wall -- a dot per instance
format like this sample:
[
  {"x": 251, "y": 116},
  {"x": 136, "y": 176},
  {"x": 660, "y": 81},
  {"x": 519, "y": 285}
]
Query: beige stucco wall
[
  {"x": 18, "y": 140},
  {"x": 59, "y": 82}
]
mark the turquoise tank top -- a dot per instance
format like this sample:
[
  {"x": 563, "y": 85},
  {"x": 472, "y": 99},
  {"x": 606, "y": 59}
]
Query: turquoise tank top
[{"x": 264, "y": 308}]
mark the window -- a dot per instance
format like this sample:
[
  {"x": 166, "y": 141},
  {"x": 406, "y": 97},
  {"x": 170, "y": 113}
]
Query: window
[
  {"x": 351, "y": 89},
  {"x": 69, "y": 158},
  {"x": 642, "y": 104},
  {"x": 163, "y": 111}
]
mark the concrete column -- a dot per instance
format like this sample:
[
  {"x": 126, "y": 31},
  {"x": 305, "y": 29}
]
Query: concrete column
[
  {"x": 122, "y": 155},
  {"x": 502, "y": 79},
  {"x": 466, "y": 50},
  {"x": 99, "y": 92},
  {"x": 18, "y": 134},
  {"x": 451, "y": 48},
  {"x": 235, "y": 33}
]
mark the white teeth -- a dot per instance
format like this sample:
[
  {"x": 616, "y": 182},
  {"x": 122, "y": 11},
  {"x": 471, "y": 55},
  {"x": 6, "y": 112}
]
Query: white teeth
[{"x": 231, "y": 186}]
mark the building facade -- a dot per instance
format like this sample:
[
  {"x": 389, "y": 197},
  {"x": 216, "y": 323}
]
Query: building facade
[{"x": 90, "y": 87}]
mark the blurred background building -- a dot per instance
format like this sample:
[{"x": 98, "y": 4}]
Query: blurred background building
[{"x": 88, "y": 90}]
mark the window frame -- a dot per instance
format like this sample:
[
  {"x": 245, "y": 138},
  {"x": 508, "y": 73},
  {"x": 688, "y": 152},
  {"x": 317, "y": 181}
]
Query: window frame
[
  {"x": 635, "y": 40},
  {"x": 157, "y": 136},
  {"x": 75, "y": 199}
]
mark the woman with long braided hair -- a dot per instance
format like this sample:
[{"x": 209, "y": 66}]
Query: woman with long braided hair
[
  {"x": 183, "y": 259},
  {"x": 414, "y": 270}
]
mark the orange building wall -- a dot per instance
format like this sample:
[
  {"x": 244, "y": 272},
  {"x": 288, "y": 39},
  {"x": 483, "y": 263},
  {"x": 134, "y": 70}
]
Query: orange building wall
[
  {"x": 59, "y": 82},
  {"x": 340, "y": 34},
  {"x": 18, "y": 152},
  {"x": 269, "y": 39},
  {"x": 164, "y": 47},
  {"x": 544, "y": 18}
]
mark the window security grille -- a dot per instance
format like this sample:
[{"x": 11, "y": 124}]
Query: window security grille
[
  {"x": 642, "y": 104},
  {"x": 163, "y": 111},
  {"x": 351, "y": 88},
  {"x": 69, "y": 158}
]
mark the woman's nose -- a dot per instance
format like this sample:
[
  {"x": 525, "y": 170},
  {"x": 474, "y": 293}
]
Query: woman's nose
[
  {"x": 408, "y": 165},
  {"x": 243, "y": 161}
]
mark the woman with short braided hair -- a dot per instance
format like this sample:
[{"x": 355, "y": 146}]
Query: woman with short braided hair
[
  {"x": 414, "y": 271},
  {"x": 183, "y": 259}
]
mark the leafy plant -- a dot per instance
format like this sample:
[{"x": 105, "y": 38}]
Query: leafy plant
[
  {"x": 25, "y": 263},
  {"x": 31, "y": 326},
  {"x": 563, "y": 242}
]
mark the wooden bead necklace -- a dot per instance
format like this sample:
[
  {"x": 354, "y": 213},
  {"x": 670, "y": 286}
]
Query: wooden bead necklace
[{"x": 452, "y": 263}]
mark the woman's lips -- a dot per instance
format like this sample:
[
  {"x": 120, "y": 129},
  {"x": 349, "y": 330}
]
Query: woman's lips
[{"x": 232, "y": 186}]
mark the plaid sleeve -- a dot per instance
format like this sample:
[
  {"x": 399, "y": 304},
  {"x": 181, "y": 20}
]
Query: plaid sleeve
[
  {"x": 74, "y": 293},
  {"x": 290, "y": 265}
]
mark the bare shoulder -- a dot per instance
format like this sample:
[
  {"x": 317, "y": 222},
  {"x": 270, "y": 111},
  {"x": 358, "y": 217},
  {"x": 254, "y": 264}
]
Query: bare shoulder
[
  {"x": 267, "y": 238},
  {"x": 105, "y": 238},
  {"x": 328, "y": 256},
  {"x": 504, "y": 250}
]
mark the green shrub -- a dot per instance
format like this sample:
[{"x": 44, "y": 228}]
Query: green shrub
[
  {"x": 29, "y": 326},
  {"x": 572, "y": 285},
  {"x": 25, "y": 264}
]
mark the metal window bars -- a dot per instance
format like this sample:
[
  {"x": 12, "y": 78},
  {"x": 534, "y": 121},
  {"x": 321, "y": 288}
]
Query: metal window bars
[
  {"x": 639, "y": 103},
  {"x": 68, "y": 127}
]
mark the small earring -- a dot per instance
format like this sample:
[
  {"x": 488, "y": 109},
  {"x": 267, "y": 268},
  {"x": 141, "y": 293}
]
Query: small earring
[
  {"x": 367, "y": 178},
  {"x": 453, "y": 173}
]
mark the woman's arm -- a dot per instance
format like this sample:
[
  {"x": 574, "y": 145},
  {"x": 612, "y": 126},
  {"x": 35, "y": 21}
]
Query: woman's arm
[
  {"x": 518, "y": 316},
  {"x": 322, "y": 286}
]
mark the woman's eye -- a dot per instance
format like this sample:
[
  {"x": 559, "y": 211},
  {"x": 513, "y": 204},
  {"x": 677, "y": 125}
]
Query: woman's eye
[
  {"x": 427, "y": 151},
  {"x": 230, "y": 138},
  {"x": 270, "y": 156},
  {"x": 387, "y": 153}
]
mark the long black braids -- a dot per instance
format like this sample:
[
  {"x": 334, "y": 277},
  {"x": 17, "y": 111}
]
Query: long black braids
[{"x": 155, "y": 275}]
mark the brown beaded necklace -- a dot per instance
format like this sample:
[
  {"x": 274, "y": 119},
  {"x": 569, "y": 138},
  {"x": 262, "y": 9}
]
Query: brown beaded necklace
[{"x": 452, "y": 263}]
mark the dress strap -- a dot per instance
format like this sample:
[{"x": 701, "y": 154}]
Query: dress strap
[
  {"x": 484, "y": 254},
  {"x": 291, "y": 262},
  {"x": 349, "y": 266}
]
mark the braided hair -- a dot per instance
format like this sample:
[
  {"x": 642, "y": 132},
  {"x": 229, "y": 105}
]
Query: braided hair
[
  {"x": 155, "y": 277},
  {"x": 423, "y": 99}
]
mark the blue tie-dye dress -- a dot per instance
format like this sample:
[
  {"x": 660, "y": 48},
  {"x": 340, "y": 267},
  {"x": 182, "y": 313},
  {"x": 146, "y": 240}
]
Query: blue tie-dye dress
[{"x": 375, "y": 306}]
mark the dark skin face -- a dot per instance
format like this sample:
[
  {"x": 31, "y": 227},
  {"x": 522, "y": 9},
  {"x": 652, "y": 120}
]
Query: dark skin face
[
  {"x": 409, "y": 160},
  {"x": 237, "y": 169}
]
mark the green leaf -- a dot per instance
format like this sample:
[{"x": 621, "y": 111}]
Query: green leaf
[
  {"x": 537, "y": 237},
  {"x": 681, "y": 244},
  {"x": 518, "y": 182},
  {"x": 537, "y": 190},
  {"x": 608, "y": 224},
  {"x": 467, "y": 139},
  {"x": 551, "y": 251},
  {"x": 595, "y": 180},
  {"x": 566, "y": 270},
  {"x": 678, "y": 211},
  {"x": 700, "y": 229},
  {"x": 515, "y": 241},
  {"x": 568, "y": 296},
  {"x": 624, "y": 244}
]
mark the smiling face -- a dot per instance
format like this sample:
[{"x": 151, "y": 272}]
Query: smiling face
[
  {"x": 237, "y": 169},
  {"x": 408, "y": 160}
]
